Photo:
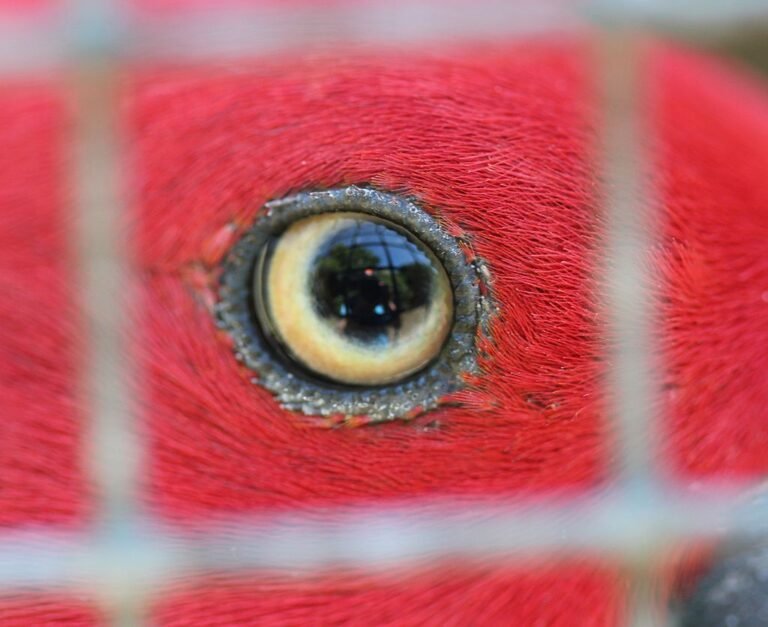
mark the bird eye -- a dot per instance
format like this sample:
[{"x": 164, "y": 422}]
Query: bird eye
[
  {"x": 353, "y": 298},
  {"x": 352, "y": 302}
]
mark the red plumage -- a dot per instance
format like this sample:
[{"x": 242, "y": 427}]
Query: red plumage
[
  {"x": 711, "y": 157},
  {"x": 500, "y": 144},
  {"x": 459, "y": 134},
  {"x": 565, "y": 593},
  {"x": 41, "y": 475}
]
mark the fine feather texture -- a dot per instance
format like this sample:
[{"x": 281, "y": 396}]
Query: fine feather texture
[
  {"x": 41, "y": 476},
  {"x": 48, "y": 610},
  {"x": 712, "y": 157},
  {"x": 500, "y": 146},
  {"x": 448, "y": 595},
  {"x": 496, "y": 144}
]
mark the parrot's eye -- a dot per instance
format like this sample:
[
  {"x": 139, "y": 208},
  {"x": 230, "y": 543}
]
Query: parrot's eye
[
  {"x": 353, "y": 298},
  {"x": 352, "y": 302}
]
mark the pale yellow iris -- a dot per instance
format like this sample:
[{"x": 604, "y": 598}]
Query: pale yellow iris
[{"x": 319, "y": 343}]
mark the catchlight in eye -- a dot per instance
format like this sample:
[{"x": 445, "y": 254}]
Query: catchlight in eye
[{"x": 352, "y": 302}]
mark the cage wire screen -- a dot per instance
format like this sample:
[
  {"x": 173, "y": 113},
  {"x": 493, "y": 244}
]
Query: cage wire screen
[{"x": 124, "y": 559}]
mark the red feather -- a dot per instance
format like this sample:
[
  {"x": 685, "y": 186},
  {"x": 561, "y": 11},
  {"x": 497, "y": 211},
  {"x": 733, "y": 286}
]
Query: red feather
[{"x": 501, "y": 145}]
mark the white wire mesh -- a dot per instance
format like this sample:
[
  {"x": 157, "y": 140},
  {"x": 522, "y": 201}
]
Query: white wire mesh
[{"x": 129, "y": 555}]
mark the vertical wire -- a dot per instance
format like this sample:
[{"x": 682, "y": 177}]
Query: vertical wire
[
  {"x": 629, "y": 219},
  {"x": 628, "y": 211},
  {"x": 113, "y": 454}
]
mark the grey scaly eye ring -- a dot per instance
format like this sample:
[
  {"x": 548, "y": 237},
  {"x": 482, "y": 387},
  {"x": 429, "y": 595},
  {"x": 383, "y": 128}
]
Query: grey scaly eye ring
[{"x": 241, "y": 311}]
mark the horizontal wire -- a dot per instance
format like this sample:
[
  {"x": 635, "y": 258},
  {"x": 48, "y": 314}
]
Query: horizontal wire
[
  {"x": 220, "y": 31},
  {"x": 611, "y": 525}
]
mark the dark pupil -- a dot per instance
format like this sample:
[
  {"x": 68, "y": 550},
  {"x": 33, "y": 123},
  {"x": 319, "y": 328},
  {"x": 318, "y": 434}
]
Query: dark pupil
[{"x": 372, "y": 281}]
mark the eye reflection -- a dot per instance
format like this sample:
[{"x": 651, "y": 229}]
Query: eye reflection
[
  {"x": 372, "y": 282},
  {"x": 354, "y": 298}
]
